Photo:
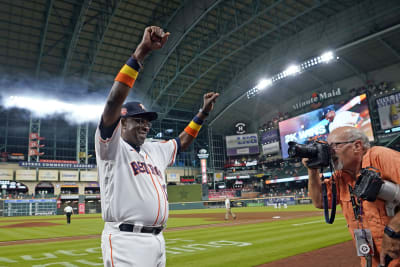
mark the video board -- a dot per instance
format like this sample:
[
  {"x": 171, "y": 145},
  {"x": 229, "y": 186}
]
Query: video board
[
  {"x": 389, "y": 112},
  {"x": 317, "y": 124}
]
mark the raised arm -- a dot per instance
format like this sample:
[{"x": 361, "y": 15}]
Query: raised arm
[
  {"x": 189, "y": 134},
  {"x": 314, "y": 185},
  {"x": 153, "y": 38}
]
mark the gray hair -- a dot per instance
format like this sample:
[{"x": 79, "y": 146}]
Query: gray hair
[{"x": 356, "y": 134}]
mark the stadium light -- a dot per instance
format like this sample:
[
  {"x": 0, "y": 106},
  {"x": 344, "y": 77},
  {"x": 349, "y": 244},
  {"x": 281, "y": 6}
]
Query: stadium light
[
  {"x": 326, "y": 57},
  {"x": 291, "y": 70},
  {"x": 264, "y": 83}
]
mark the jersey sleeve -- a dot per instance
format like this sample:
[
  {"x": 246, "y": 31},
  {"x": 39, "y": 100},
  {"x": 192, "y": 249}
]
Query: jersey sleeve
[
  {"x": 107, "y": 141},
  {"x": 166, "y": 151}
]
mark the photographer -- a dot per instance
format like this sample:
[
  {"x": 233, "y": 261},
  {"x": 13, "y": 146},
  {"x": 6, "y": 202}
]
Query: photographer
[{"x": 350, "y": 153}]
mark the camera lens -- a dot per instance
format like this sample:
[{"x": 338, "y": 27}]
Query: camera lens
[{"x": 302, "y": 151}]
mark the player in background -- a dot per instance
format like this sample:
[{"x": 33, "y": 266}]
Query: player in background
[
  {"x": 68, "y": 210},
  {"x": 131, "y": 173},
  {"x": 228, "y": 209}
]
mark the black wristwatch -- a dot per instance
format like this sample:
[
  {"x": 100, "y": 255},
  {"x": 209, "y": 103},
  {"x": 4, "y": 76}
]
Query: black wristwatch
[
  {"x": 204, "y": 112},
  {"x": 391, "y": 233}
]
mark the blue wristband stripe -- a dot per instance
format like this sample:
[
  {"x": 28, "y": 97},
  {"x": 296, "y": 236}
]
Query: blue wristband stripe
[
  {"x": 133, "y": 63},
  {"x": 178, "y": 142},
  {"x": 198, "y": 120}
]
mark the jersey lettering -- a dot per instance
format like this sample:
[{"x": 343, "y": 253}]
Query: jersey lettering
[
  {"x": 157, "y": 171},
  {"x": 142, "y": 167},
  {"x": 135, "y": 168}
]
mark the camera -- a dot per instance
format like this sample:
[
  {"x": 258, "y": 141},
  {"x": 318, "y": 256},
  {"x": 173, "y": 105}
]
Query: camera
[
  {"x": 370, "y": 186},
  {"x": 318, "y": 153}
]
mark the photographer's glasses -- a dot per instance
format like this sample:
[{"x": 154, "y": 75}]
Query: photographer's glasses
[{"x": 336, "y": 144}]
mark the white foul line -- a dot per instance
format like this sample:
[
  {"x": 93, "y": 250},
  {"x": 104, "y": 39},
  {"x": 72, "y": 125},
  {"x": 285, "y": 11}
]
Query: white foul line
[{"x": 297, "y": 224}]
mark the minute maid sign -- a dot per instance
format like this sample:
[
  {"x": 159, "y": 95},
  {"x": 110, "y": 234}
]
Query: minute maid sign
[{"x": 317, "y": 98}]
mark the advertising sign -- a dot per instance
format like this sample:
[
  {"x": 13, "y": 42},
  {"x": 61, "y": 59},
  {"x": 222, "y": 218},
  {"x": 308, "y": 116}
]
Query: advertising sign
[
  {"x": 56, "y": 165},
  {"x": 218, "y": 176},
  {"x": 203, "y": 163},
  {"x": 69, "y": 176},
  {"x": 172, "y": 177},
  {"x": 48, "y": 175},
  {"x": 271, "y": 148},
  {"x": 89, "y": 176},
  {"x": 244, "y": 144},
  {"x": 81, "y": 208},
  {"x": 269, "y": 136},
  {"x": 6, "y": 174},
  {"x": 187, "y": 179},
  {"x": 389, "y": 111},
  {"x": 25, "y": 175}
]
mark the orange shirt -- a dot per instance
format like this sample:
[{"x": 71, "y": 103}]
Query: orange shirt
[{"x": 374, "y": 217}]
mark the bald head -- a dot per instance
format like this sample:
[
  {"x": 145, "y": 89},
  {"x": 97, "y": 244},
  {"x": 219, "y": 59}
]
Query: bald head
[
  {"x": 348, "y": 133},
  {"x": 348, "y": 146}
]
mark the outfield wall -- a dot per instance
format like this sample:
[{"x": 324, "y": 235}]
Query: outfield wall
[
  {"x": 28, "y": 207},
  {"x": 34, "y": 207},
  {"x": 251, "y": 202}
]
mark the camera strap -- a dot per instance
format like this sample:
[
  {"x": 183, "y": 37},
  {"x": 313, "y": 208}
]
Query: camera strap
[
  {"x": 355, "y": 206},
  {"x": 328, "y": 219}
]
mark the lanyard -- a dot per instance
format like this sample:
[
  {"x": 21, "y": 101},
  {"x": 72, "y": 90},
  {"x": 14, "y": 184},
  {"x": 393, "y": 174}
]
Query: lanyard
[{"x": 357, "y": 208}]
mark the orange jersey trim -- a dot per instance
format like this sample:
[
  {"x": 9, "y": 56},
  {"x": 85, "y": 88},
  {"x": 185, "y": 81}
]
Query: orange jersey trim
[
  {"x": 158, "y": 196},
  {"x": 112, "y": 261},
  {"x": 165, "y": 203}
]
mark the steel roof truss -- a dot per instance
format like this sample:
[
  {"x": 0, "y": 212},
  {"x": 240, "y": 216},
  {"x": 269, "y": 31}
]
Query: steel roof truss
[
  {"x": 391, "y": 48},
  {"x": 221, "y": 37},
  {"x": 316, "y": 5},
  {"x": 79, "y": 19},
  {"x": 102, "y": 26}
]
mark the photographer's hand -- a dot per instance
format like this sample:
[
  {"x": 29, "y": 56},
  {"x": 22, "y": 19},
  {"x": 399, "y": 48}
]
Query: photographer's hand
[
  {"x": 314, "y": 185},
  {"x": 391, "y": 246}
]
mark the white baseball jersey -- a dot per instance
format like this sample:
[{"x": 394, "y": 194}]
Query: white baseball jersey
[
  {"x": 68, "y": 209},
  {"x": 132, "y": 184},
  {"x": 227, "y": 203}
]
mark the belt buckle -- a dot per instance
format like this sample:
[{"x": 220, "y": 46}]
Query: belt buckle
[{"x": 137, "y": 228}]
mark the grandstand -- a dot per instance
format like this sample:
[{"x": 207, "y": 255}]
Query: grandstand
[{"x": 56, "y": 52}]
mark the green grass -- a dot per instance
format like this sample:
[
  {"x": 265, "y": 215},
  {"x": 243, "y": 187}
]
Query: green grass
[{"x": 233, "y": 245}]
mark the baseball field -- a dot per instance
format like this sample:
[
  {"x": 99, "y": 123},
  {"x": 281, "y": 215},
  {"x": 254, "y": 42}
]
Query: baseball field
[{"x": 259, "y": 236}]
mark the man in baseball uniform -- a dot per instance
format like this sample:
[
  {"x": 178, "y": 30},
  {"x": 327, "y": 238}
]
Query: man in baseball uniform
[
  {"x": 228, "y": 209},
  {"x": 134, "y": 200},
  {"x": 68, "y": 212}
]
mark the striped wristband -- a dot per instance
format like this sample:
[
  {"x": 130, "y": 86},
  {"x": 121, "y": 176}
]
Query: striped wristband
[
  {"x": 194, "y": 127},
  {"x": 129, "y": 72}
]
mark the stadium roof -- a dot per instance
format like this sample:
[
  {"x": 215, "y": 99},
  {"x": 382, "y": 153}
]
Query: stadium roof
[{"x": 223, "y": 46}]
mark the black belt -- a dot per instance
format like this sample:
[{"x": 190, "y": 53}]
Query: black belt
[{"x": 145, "y": 229}]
